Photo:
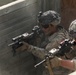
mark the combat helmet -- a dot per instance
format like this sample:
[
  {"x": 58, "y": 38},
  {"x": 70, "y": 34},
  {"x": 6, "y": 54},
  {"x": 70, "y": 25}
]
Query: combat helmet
[
  {"x": 72, "y": 28},
  {"x": 49, "y": 17}
]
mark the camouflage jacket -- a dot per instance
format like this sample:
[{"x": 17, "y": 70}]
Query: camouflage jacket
[{"x": 53, "y": 41}]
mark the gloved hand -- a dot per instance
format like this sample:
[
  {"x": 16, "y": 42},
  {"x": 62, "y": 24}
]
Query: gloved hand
[
  {"x": 55, "y": 62},
  {"x": 24, "y": 47}
]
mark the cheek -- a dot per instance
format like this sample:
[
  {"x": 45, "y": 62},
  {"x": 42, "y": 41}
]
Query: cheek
[{"x": 45, "y": 30}]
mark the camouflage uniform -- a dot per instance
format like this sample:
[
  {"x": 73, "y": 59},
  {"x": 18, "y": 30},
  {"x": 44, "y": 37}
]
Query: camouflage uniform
[
  {"x": 52, "y": 42},
  {"x": 46, "y": 43},
  {"x": 49, "y": 42},
  {"x": 72, "y": 31}
]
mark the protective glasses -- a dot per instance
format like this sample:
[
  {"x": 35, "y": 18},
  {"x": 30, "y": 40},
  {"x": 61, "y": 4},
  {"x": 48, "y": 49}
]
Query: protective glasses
[{"x": 44, "y": 26}]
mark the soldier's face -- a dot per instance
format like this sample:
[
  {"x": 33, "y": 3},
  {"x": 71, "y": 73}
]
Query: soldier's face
[
  {"x": 48, "y": 30},
  {"x": 73, "y": 34}
]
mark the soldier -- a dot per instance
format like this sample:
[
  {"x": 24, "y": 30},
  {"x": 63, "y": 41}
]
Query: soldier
[
  {"x": 54, "y": 33},
  {"x": 69, "y": 64}
]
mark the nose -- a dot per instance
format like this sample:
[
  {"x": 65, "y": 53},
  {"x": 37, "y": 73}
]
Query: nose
[{"x": 43, "y": 29}]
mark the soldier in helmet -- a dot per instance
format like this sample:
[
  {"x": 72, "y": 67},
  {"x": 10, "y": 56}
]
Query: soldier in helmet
[
  {"x": 72, "y": 29},
  {"x": 72, "y": 33},
  {"x": 54, "y": 33},
  {"x": 69, "y": 64}
]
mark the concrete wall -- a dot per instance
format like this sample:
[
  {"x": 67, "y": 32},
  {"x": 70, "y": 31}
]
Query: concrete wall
[{"x": 16, "y": 18}]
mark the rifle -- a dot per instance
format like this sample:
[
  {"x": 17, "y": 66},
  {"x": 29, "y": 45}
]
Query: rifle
[
  {"x": 63, "y": 48},
  {"x": 26, "y": 37}
]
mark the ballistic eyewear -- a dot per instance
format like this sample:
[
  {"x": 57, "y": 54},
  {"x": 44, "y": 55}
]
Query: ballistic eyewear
[{"x": 44, "y": 26}]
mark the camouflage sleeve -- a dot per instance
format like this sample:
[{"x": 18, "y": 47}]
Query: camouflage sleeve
[
  {"x": 55, "y": 42},
  {"x": 39, "y": 52}
]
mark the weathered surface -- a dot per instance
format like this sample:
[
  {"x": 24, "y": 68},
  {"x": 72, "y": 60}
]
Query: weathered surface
[
  {"x": 68, "y": 12},
  {"x": 16, "y": 18}
]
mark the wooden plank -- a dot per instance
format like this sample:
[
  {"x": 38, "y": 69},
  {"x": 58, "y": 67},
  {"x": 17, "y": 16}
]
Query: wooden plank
[
  {"x": 20, "y": 13},
  {"x": 21, "y": 25},
  {"x": 13, "y": 22},
  {"x": 6, "y": 29},
  {"x": 19, "y": 64},
  {"x": 14, "y": 6},
  {"x": 3, "y": 2},
  {"x": 16, "y": 26}
]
